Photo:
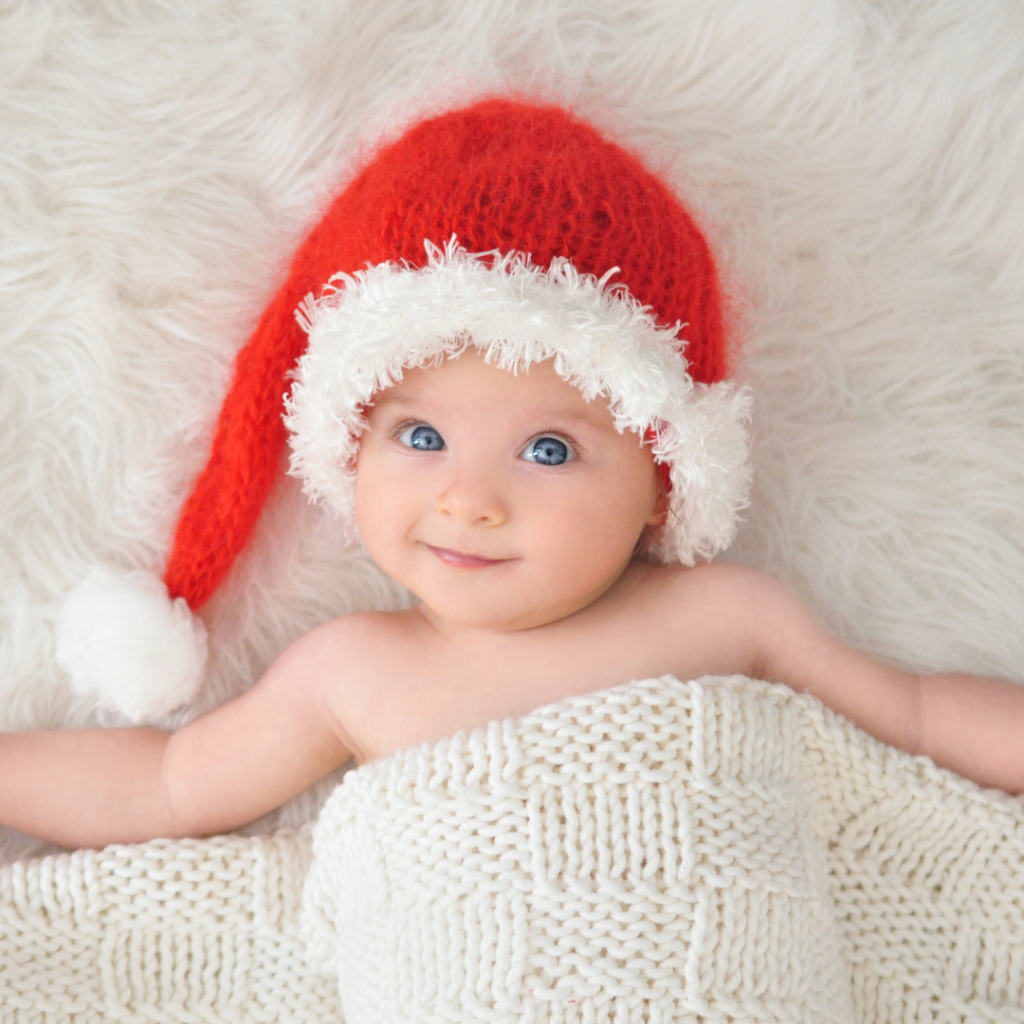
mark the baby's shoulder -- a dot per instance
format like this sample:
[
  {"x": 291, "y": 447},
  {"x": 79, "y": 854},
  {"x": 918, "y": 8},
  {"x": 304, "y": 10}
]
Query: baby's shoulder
[
  {"x": 360, "y": 667},
  {"x": 709, "y": 619},
  {"x": 351, "y": 640}
]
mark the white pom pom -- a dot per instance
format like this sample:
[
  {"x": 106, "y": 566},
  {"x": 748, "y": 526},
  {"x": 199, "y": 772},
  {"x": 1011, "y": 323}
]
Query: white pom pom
[{"x": 122, "y": 639}]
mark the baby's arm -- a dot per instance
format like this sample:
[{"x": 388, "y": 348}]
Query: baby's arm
[
  {"x": 970, "y": 724},
  {"x": 97, "y": 786}
]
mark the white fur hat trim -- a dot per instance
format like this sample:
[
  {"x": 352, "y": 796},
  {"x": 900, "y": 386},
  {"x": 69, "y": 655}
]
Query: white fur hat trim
[
  {"x": 123, "y": 640},
  {"x": 369, "y": 326}
]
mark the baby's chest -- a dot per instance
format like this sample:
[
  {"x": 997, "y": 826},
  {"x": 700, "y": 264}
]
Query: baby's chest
[{"x": 415, "y": 696}]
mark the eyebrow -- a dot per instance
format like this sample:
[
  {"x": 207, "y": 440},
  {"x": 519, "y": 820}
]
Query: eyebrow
[
  {"x": 569, "y": 415},
  {"x": 389, "y": 398},
  {"x": 564, "y": 414}
]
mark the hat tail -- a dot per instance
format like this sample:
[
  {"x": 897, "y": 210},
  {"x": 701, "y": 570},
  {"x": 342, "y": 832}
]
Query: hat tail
[{"x": 220, "y": 515}]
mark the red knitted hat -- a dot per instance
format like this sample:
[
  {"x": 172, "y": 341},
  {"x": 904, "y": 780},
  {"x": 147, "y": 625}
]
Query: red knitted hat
[{"x": 514, "y": 227}]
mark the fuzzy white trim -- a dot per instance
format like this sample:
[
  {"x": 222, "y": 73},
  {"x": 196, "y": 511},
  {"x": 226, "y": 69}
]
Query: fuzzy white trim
[
  {"x": 121, "y": 639},
  {"x": 370, "y": 325}
]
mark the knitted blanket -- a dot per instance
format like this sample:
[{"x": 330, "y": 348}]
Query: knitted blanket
[
  {"x": 167, "y": 932},
  {"x": 720, "y": 850}
]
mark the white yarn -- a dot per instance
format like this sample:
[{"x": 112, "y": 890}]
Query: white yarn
[
  {"x": 169, "y": 932},
  {"x": 373, "y": 324},
  {"x": 719, "y": 850},
  {"x": 122, "y": 639}
]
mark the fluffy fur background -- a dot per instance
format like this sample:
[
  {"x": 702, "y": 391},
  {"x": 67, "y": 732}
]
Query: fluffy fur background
[{"x": 857, "y": 165}]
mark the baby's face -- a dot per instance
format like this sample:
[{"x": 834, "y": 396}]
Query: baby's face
[{"x": 502, "y": 501}]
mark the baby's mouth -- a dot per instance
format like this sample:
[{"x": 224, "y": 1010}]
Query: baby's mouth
[{"x": 461, "y": 560}]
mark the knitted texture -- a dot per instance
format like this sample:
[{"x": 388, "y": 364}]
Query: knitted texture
[
  {"x": 502, "y": 176},
  {"x": 187, "y": 932},
  {"x": 722, "y": 850}
]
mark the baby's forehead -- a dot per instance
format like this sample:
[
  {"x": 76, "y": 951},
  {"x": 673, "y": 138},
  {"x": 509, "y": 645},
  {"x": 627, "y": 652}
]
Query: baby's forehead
[{"x": 469, "y": 381}]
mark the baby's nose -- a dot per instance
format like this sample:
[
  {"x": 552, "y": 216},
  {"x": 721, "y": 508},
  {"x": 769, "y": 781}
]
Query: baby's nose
[{"x": 472, "y": 500}]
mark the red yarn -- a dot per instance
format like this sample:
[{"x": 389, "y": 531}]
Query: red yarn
[{"x": 502, "y": 175}]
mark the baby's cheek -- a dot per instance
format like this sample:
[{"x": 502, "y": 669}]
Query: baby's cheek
[
  {"x": 592, "y": 542},
  {"x": 615, "y": 533}
]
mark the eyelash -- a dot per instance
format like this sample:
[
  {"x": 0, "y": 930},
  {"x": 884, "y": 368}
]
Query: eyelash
[
  {"x": 564, "y": 438},
  {"x": 399, "y": 428}
]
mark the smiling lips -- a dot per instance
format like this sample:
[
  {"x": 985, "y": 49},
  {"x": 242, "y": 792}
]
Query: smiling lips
[{"x": 458, "y": 560}]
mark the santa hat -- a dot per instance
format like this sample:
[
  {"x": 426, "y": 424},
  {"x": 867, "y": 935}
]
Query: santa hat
[{"x": 514, "y": 227}]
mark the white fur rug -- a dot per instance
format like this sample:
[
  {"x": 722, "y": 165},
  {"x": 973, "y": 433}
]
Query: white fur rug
[{"x": 857, "y": 164}]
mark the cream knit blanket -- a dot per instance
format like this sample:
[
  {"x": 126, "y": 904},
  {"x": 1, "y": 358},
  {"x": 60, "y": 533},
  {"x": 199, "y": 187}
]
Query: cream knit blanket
[
  {"x": 168, "y": 932},
  {"x": 721, "y": 850},
  {"x": 710, "y": 851}
]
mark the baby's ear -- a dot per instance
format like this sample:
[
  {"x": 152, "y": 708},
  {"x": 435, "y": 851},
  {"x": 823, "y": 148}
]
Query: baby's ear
[
  {"x": 353, "y": 462},
  {"x": 660, "y": 514},
  {"x": 647, "y": 544},
  {"x": 364, "y": 411},
  {"x": 661, "y": 505}
]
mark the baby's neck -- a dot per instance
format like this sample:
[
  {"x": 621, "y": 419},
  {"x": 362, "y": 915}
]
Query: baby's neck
[{"x": 498, "y": 634}]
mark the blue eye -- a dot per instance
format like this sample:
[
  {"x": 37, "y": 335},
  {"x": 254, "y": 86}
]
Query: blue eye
[
  {"x": 422, "y": 437},
  {"x": 548, "y": 451}
]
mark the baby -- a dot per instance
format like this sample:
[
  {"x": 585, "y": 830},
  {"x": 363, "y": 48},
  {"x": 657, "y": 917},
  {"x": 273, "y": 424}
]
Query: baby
[{"x": 525, "y": 449}]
